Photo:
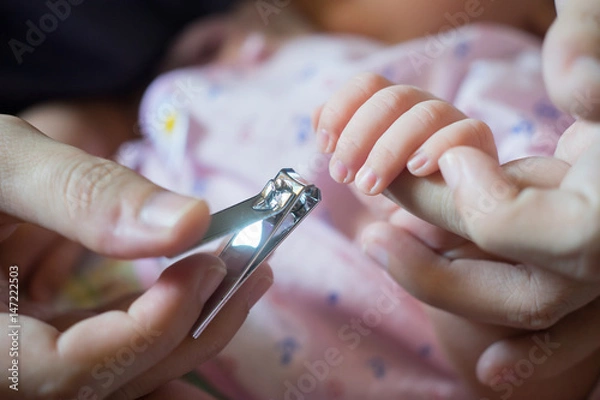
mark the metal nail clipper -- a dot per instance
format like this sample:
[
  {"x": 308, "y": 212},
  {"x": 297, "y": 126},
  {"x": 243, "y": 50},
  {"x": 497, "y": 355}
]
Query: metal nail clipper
[{"x": 257, "y": 225}]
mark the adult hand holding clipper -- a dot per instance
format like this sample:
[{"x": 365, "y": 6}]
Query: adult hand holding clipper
[{"x": 113, "y": 211}]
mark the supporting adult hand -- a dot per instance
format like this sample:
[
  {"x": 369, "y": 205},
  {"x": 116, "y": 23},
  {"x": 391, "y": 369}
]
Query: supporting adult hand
[
  {"x": 557, "y": 228},
  {"x": 505, "y": 210}
]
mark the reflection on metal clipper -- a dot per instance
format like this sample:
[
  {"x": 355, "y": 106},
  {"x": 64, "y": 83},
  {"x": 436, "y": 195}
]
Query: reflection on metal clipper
[{"x": 258, "y": 226}]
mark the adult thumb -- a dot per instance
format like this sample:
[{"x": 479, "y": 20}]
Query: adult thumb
[{"x": 96, "y": 202}]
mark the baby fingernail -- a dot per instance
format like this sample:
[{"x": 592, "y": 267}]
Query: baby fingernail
[
  {"x": 258, "y": 290},
  {"x": 323, "y": 139},
  {"x": 378, "y": 253},
  {"x": 339, "y": 172},
  {"x": 366, "y": 180},
  {"x": 417, "y": 162}
]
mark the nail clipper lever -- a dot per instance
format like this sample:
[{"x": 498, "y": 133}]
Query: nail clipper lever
[{"x": 258, "y": 225}]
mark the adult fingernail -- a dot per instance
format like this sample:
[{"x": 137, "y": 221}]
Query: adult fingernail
[
  {"x": 378, "y": 253},
  {"x": 165, "y": 209},
  {"x": 323, "y": 139},
  {"x": 339, "y": 172},
  {"x": 451, "y": 168},
  {"x": 366, "y": 180},
  {"x": 210, "y": 280},
  {"x": 258, "y": 290}
]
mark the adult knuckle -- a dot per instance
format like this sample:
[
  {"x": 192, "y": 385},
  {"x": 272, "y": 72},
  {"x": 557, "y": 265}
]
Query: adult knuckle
[
  {"x": 547, "y": 306},
  {"x": 541, "y": 316},
  {"x": 85, "y": 180}
]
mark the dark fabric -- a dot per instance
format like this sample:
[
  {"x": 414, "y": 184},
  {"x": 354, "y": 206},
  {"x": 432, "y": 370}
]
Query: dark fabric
[{"x": 77, "y": 48}]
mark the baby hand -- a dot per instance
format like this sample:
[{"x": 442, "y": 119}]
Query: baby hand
[{"x": 375, "y": 129}]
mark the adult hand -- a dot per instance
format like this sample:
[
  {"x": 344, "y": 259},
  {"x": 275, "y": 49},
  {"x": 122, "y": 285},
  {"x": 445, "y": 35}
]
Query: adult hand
[
  {"x": 508, "y": 291},
  {"x": 138, "y": 344},
  {"x": 45, "y": 258},
  {"x": 557, "y": 228}
]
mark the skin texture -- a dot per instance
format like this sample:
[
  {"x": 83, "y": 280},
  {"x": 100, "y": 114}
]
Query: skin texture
[{"x": 97, "y": 127}]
